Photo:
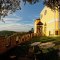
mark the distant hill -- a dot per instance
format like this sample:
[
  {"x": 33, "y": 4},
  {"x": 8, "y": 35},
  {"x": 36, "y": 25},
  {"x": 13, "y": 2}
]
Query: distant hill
[{"x": 6, "y": 33}]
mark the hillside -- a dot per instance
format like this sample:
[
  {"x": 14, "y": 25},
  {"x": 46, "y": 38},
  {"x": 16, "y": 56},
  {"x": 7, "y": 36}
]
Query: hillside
[{"x": 6, "y": 33}]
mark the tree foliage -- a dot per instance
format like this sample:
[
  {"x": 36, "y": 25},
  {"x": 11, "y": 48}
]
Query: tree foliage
[
  {"x": 31, "y": 1},
  {"x": 31, "y": 31},
  {"x": 7, "y": 33},
  {"x": 53, "y": 4},
  {"x": 10, "y": 6}
]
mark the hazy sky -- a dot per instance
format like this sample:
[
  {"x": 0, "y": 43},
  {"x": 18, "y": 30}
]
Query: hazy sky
[{"x": 22, "y": 20}]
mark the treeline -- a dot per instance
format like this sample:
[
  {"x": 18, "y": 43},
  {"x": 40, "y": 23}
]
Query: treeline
[{"x": 6, "y": 33}]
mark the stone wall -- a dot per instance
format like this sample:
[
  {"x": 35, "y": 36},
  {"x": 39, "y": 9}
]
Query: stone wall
[{"x": 12, "y": 41}]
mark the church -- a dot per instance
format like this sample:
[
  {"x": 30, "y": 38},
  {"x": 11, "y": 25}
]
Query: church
[{"x": 48, "y": 24}]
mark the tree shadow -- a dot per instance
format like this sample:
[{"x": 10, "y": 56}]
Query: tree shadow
[{"x": 52, "y": 54}]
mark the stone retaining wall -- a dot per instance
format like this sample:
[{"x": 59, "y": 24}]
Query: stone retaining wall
[{"x": 12, "y": 41}]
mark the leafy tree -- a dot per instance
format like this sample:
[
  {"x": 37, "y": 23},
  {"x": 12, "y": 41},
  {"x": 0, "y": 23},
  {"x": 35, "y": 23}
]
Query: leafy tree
[
  {"x": 6, "y": 33},
  {"x": 10, "y": 6},
  {"x": 31, "y": 31},
  {"x": 53, "y": 4}
]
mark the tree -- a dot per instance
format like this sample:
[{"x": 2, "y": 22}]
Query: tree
[
  {"x": 31, "y": 31},
  {"x": 10, "y": 6},
  {"x": 53, "y": 4}
]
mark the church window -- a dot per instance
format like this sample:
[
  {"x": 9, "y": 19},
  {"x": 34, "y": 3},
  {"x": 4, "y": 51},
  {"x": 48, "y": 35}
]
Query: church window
[{"x": 45, "y": 12}]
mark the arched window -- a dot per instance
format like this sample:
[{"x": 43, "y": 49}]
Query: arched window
[{"x": 45, "y": 12}]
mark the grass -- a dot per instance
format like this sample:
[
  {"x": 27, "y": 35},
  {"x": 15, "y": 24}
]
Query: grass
[
  {"x": 45, "y": 39},
  {"x": 48, "y": 54}
]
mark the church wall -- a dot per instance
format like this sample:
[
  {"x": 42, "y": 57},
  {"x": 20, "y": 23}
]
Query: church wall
[{"x": 51, "y": 19}]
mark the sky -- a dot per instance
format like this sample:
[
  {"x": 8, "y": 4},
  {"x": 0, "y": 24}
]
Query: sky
[{"x": 22, "y": 20}]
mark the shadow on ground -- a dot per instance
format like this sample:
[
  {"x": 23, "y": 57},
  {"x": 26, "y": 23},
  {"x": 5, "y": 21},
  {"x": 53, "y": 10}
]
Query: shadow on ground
[{"x": 21, "y": 52}]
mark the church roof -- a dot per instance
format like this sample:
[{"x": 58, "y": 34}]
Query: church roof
[
  {"x": 38, "y": 19},
  {"x": 39, "y": 23}
]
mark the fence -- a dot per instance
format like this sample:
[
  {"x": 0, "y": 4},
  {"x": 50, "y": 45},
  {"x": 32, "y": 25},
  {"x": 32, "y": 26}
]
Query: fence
[{"x": 12, "y": 41}]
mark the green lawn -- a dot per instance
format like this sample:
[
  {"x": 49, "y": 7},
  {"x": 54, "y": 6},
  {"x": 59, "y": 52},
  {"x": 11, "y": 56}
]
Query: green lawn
[
  {"x": 51, "y": 53},
  {"x": 45, "y": 39},
  {"x": 47, "y": 54}
]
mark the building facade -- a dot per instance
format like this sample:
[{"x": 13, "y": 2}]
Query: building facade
[
  {"x": 51, "y": 22},
  {"x": 38, "y": 27}
]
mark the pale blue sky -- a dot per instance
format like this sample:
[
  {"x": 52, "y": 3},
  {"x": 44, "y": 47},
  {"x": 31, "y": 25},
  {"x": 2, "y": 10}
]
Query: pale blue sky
[{"x": 22, "y": 20}]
